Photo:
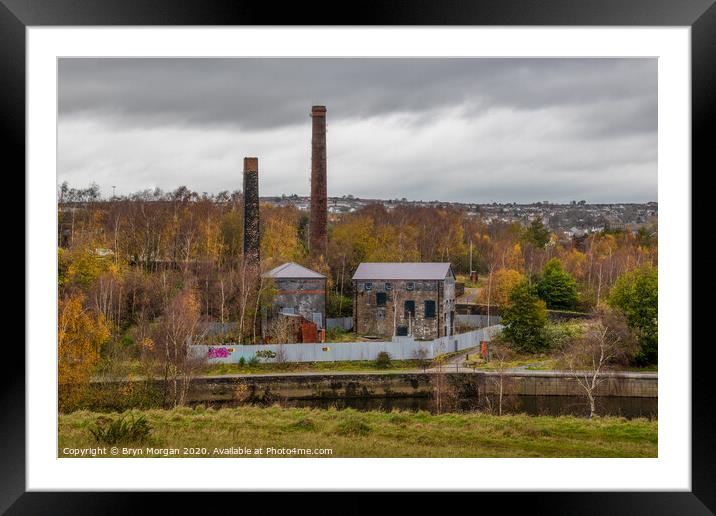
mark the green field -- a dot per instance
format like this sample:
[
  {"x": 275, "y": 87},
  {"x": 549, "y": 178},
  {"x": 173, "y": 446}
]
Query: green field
[{"x": 349, "y": 433}]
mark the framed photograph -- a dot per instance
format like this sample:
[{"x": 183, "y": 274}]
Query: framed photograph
[{"x": 419, "y": 252}]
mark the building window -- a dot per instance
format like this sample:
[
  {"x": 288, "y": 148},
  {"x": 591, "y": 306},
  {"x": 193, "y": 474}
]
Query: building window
[
  {"x": 410, "y": 309},
  {"x": 381, "y": 298},
  {"x": 368, "y": 286},
  {"x": 388, "y": 286},
  {"x": 401, "y": 331},
  {"x": 410, "y": 286},
  {"x": 429, "y": 309}
]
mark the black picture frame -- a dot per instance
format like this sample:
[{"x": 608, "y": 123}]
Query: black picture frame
[{"x": 700, "y": 15}]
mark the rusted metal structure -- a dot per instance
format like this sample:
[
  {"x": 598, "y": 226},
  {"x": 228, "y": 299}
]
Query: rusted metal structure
[
  {"x": 318, "y": 235},
  {"x": 404, "y": 299}
]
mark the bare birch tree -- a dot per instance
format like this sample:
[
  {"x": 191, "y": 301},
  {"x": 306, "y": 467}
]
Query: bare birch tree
[
  {"x": 489, "y": 291},
  {"x": 605, "y": 342},
  {"x": 281, "y": 330},
  {"x": 501, "y": 354},
  {"x": 176, "y": 333}
]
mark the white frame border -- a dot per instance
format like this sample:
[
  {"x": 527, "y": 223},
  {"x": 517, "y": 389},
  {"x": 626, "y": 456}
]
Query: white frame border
[{"x": 671, "y": 470}]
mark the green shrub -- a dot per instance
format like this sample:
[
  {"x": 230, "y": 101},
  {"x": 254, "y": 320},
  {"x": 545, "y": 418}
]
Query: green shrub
[
  {"x": 254, "y": 361},
  {"x": 336, "y": 333},
  {"x": 114, "y": 397},
  {"x": 121, "y": 430},
  {"x": 303, "y": 424},
  {"x": 242, "y": 362},
  {"x": 399, "y": 419},
  {"x": 557, "y": 287},
  {"x": 383, "y": 360},
  {"x": 353, "y": 426},
  {"x": 525, "y": 318},
  {"x": 636, "y": 295},
  {"x": 560, "y": 334}
]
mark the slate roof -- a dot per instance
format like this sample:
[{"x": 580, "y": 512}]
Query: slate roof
[
  {"x": 402, "y": 271},
  {"x": 292, "y": 270}
]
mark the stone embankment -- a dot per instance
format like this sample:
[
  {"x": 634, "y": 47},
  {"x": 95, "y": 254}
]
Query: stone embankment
[{"x": 385, "y": 385}]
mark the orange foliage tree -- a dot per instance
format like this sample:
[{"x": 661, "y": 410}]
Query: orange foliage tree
[{"x": 80, "y": 334}]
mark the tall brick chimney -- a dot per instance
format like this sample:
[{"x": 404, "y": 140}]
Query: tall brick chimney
[
  {"x": 251, "y": 210},
  {"x": 318, "y": 236}
]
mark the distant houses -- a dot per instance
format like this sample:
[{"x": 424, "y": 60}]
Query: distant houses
[{"x": 404, "y": 299}]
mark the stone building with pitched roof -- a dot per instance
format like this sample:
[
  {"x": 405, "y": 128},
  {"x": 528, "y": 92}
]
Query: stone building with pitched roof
[
  {"x": 404, "y": 299},
  {"x": 300, "y": 291}
]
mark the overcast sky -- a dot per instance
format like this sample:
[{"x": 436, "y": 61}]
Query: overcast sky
[{"x": 471, "y": 130}]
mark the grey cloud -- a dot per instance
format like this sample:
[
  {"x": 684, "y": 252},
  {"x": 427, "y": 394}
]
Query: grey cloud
[
  {"x": 263, "y": 93},
  {"x": 455, "y": 129}
]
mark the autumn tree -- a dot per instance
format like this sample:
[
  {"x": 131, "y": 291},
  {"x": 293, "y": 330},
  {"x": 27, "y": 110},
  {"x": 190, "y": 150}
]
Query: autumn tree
[
  {"x": 280, "y": 240},
  {"x": 80, "y": 267},
  {"x": 231, "y": 229},
  {"x": 574, "y": 262},
  {"x": 80, "y": 334},
  {"x": 502, "y": 283},
  {"x": 351, "y": 242}
]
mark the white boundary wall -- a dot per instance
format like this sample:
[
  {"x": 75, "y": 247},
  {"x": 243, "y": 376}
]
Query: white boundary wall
[{"x": 401, "y": 348}]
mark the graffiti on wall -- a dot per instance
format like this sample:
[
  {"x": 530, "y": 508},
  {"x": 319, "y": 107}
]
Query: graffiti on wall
[{"x": 220, "y": 352}]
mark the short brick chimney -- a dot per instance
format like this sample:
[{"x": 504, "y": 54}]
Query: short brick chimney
[{"x": 251, "y": 211}]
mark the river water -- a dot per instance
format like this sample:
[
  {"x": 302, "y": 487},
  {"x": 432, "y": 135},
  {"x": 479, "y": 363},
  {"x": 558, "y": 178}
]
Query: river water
[{"x": 531, "y": 405}]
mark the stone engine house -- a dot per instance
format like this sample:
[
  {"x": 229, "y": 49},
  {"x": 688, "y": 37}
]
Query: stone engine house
[
  {"x": 404, "y": 299},
  {"x": 300, "y": 291}
]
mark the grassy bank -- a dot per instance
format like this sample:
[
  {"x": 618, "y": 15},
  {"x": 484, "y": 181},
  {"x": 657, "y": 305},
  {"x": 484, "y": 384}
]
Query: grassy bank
[
  {"x": 373, "y": 434},
  {"x": 537, "y": 363},
  {"x": 312, "y": 367},
  {"x": 524, "y": 361},
  {"x": 527, "y": 362},
  {"x": 134, "y": 368}
]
